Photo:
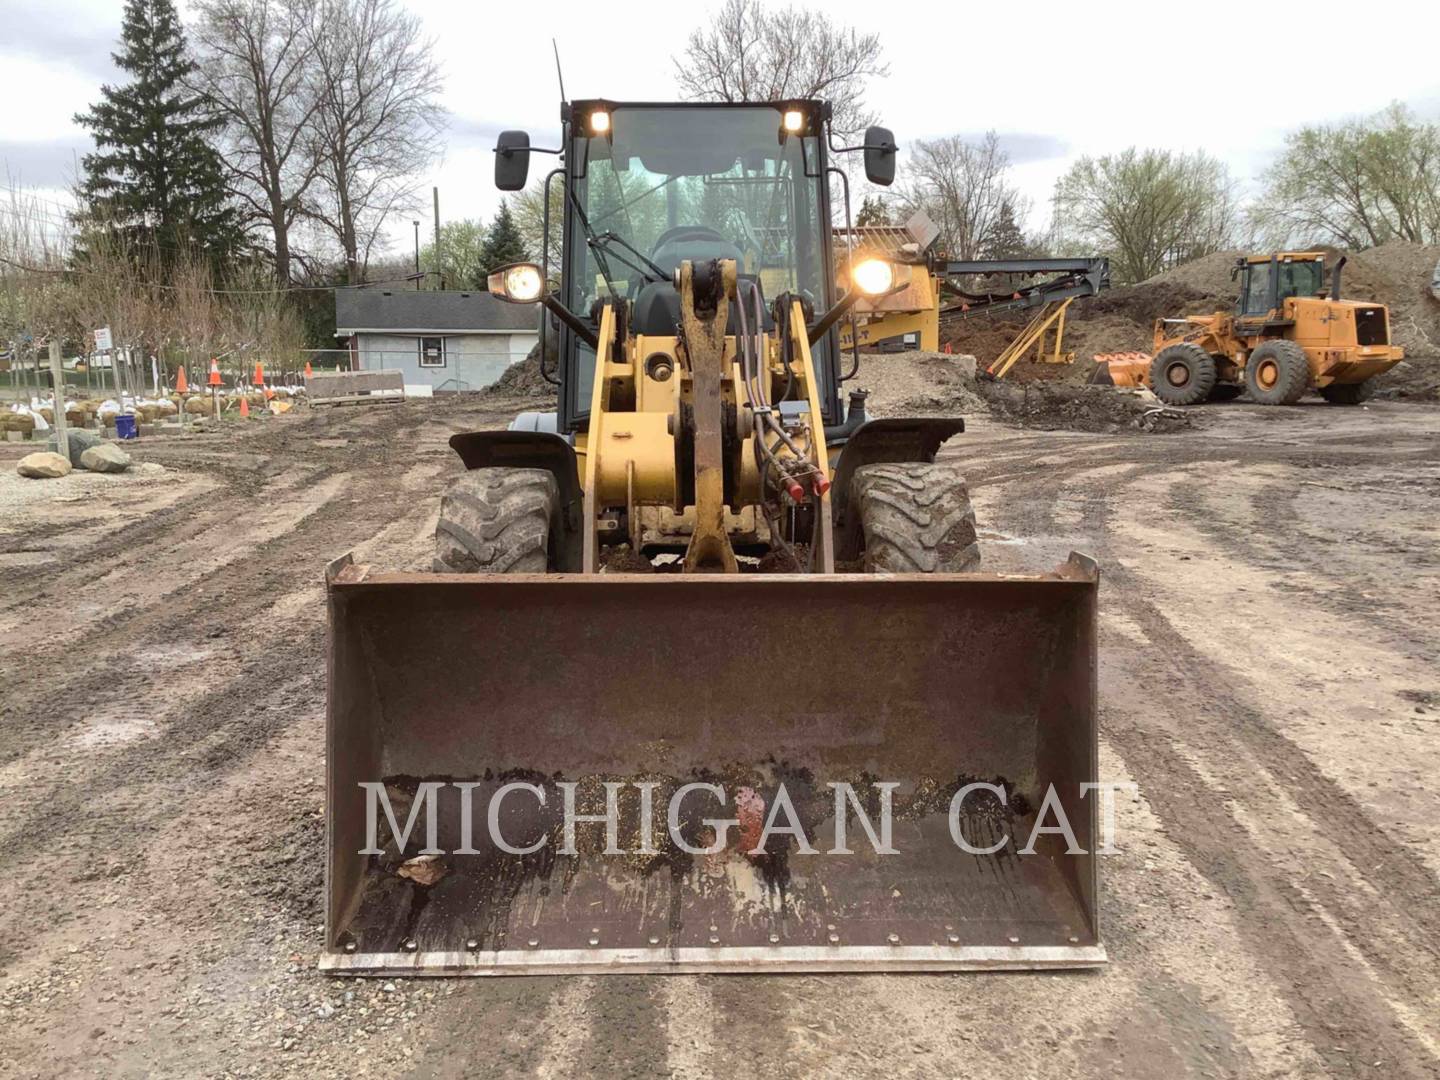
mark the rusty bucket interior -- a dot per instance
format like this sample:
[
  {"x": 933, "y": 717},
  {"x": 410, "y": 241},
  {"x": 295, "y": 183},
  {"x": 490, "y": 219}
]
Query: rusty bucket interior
[{"x": 444, "y": 689}]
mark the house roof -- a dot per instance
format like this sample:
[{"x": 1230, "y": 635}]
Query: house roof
[{"x": 395, "y": 310}]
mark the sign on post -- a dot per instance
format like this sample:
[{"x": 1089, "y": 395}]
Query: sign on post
[{"x": 103, "y": 341}]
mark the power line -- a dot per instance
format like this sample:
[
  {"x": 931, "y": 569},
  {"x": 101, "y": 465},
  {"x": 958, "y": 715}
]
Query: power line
[{"x": 220, "y": 292}]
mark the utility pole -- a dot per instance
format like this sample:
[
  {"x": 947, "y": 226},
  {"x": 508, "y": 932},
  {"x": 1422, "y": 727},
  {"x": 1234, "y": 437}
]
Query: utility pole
[
  {"x": 57, "y": 379},
  {"x": 435, "y": 191},
  {"x": 417, "y": 254}
]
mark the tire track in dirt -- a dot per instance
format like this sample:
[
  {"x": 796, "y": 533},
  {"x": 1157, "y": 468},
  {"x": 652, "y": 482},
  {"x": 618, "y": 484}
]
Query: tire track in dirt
[
  {"x": 135, "y": 588},
  {"x": 231, "y": 602},
  {"x": 1325, "y": 989}
]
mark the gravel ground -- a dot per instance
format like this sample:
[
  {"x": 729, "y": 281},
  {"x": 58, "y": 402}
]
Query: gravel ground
[{"x": 1270, "y": 642}]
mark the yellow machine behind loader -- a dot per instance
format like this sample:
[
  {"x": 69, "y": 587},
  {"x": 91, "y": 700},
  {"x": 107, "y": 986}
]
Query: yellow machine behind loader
[
  {"x": 705, "y": 678},
  {"x": 1285, "y": 336}
]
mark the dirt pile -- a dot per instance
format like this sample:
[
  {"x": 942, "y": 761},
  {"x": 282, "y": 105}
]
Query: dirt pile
[
  {"x": 1052, "y": 406},
  {"x": 932, "y": 384},
  {"x": 523, "y": 379}
]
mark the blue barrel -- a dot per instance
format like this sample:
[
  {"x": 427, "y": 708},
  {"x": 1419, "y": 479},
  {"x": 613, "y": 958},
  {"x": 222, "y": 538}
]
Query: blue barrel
[{"x": 125, "y": 427}]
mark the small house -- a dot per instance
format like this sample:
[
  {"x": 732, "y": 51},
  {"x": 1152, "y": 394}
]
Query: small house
[{"x": 442, "y": 339}]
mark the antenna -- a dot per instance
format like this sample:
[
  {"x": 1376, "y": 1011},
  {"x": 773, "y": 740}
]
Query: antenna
[{"x": 558, "y": 73}]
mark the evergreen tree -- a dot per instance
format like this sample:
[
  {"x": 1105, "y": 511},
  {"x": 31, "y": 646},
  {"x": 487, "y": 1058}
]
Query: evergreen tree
[
  {"x": 503, "y": 243},
  {"x": 1007, "y": 240},
  {"x": 154, "y": 174},
  {"x": 872, "y": 212}
]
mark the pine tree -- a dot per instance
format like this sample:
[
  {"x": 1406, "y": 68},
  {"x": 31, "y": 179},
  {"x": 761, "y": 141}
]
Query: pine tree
[
  {"x": 872, "y": 212},
  {"x": 1007, "y": 240},
  {"x": 154, "y": 174},
  {"x": 503, "y": 243}
]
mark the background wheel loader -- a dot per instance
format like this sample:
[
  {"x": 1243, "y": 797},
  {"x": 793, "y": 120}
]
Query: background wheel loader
[
  {"x": 588, "y": 763},
  {"x": 1285, "y": 336}
]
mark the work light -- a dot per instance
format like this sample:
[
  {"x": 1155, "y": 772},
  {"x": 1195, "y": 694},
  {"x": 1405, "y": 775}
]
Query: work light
[
  {"x": 873, "y": 276},
  {"x": 520, "y": 283}
]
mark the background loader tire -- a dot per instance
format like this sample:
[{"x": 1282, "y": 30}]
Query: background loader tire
[
  {"x": 1277, "y": 373},
  {"x": 497, "y": 521},
  {"x": 1347, "y": 393},
  {"x": 1182, "y": 375},
  {"x": 916, "y": 518}
]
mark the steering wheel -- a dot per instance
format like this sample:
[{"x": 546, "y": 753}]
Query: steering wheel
[{"x": 685, "y": 232}]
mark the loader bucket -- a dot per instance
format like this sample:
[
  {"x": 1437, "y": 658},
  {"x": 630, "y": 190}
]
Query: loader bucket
[
  {"x": 1121, "y": 369},
  {"x": 731, "y": 716}
]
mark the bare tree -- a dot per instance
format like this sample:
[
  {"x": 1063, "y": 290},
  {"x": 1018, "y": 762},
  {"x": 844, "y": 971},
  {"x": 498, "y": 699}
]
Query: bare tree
[
  {"x": 1357, "y": 184},
  {"x": 259, "y": 320},
  {"x": 752, "y": 53},
  {"x": 189, "y": 311},
  {"x": 528, "y": 207},
  {"x": 33, "y": 288},
  {"x": 378, "y": 119},
  {"x": 1147, "y": 209},
  {"x": 253, "y": 66},
  {"x": 965, "y": 189}
]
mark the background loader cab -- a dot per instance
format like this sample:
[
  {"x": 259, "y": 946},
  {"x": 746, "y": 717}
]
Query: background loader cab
[{"x": 1287, "y": 334}]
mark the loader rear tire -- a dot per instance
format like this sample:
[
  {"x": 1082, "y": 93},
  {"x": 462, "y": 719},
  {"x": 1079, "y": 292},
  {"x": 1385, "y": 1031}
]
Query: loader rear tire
[
  {"x": 1347, "y": 393},
  {"x": 497, "y": 521},
  {"x": 1182, "y": 375},
  {"x": 916, "y": 518},
  {"x": 1277, "y": 373}
]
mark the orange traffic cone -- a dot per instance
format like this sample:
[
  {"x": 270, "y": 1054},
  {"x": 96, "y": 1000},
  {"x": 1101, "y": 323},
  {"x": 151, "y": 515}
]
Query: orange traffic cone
[
  {"x": 267, "y": 392},
  {"x": 181, "y": 386},
  {"x": 215, "y": 372},
  {"x": 259, "y": 374},
  {"x": 244, "y": 407},
  {"x": 308, "y": 372},
  {"x": 947, "y": 349}
]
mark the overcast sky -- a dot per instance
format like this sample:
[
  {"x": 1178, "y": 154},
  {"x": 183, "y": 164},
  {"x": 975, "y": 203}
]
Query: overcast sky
[{"x": 1056, "y": 80}]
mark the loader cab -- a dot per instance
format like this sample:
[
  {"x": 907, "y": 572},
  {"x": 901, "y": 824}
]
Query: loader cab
[
  {"x": 648, "y": 186},
  {"x": 1267, "y": 281}
]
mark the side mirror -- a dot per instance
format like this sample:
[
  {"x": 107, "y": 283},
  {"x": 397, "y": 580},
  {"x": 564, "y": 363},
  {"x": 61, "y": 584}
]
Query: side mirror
[
  {"x": 880, "y": 156},
  {"x": 512, "y": 160}
]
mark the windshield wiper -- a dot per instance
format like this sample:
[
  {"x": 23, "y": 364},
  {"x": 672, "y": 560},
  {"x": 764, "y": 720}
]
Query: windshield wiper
[
  {"x": 593, "y": 242},
  {"x": 651, "y": 271}
]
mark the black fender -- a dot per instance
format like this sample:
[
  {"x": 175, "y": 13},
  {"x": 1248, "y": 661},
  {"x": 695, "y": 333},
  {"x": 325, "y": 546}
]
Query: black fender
[
  {"x": 874, "y": 443},
  {"x": 535, "y": 450}
]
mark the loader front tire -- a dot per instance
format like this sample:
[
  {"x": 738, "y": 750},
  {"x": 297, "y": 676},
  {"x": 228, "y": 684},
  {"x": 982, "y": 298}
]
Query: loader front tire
[
  {"x": 916, "y": 518},
  {"x": 1277, "y": 373},
  {"x": 497, "y": 521},
  {"x": 1182, "y": 375}
]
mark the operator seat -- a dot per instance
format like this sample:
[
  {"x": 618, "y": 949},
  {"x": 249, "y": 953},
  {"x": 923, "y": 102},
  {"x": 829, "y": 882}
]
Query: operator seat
[{"x": 657, "y": 305}]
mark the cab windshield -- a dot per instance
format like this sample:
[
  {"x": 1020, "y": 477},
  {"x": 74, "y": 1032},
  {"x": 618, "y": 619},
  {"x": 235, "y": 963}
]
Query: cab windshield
[
  {"x": 1296, "y": 279},
  {"x": 669, "y": 184}
]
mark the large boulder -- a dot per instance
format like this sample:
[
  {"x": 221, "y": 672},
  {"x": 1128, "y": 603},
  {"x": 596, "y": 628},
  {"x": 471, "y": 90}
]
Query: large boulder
[
  {"x": 43, "y": 466},
  {"x": 79, "y": 441},
  {"x": 106, "y": 457}
]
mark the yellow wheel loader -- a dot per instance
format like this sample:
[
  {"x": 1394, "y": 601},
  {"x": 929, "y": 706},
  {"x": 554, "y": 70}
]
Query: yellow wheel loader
[
  {"x": 706, "y": 677},
  {"x": 1285, "y": 336}
]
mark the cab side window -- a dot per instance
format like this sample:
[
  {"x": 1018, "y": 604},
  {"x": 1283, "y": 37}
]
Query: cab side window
[{"x": 1257, "y": 289}]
